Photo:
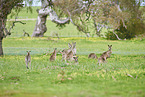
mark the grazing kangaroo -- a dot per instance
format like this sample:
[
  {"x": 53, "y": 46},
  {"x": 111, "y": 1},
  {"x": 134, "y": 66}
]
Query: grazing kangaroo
[
  {"x": 67, "y": 54},
  {"x": 105, "y": 55},
  {"x": 76, "y": 59},
  {"x": 92, "y": 56},
  {"x": 53, "y": 56},
  {"x": 28, "y": 59}
]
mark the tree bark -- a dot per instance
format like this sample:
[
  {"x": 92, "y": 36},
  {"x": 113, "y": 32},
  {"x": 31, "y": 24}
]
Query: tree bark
[
  {"x": 97, "y": 29},
  {"x": 1, "y": 36},
  {"x": 1, "y": 49},
  {"x": 40, "y": 27}
]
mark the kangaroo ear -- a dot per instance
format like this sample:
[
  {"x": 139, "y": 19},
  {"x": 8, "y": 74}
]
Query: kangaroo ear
[
  {"x": 110, "y": 45},
  {"x": 69, "y": 45},
  {"x": 73, "y": 42}
]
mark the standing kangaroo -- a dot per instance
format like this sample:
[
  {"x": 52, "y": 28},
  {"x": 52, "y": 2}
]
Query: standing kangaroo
[
  {"x": 74, "y": 50},
  {"x": 53, "y": 56},
  {"x": 105, "y": 55},
  {"x": 28, "y": 59},
  {"x": 68, "y": 54},
  {"x": 92, "y": 56}
]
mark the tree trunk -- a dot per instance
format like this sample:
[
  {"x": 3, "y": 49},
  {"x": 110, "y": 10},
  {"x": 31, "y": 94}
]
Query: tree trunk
[
  {"x": 96, "y": 28},
  {"x": 1, "y": 36},
  {"x": 40, "y": 27},
  {"x": 1, "y": 49}
]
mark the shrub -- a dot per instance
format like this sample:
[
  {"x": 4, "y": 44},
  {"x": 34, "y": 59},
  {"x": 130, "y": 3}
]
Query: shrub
[{"x": 134, "y": 27}]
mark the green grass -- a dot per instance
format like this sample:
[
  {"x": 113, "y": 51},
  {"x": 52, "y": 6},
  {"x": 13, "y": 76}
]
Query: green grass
[{"x": 84, "y": 79}]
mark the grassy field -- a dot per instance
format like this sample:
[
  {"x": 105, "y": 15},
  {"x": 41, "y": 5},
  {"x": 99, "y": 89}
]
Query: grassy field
[
  {"x": 122, "y": 76},
  {"x": 82, "y": 80}
]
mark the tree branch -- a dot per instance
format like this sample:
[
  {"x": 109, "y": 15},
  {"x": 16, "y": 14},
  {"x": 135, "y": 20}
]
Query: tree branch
[
  {"x": 25, "y": 33},
  {"x": 14, "y": 24},
  {"x": 118, "y": 36},
  {"x": 78, "y": 27}
]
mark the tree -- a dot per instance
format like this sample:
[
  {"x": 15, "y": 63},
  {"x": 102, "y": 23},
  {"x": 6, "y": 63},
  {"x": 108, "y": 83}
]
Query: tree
[
  {"x": 77, "y": 11},
  {"x": 133, "y": 24},
  {"x": 74, "y": 10},
  {"x": 40, "y": 27},
  {"x": 124, "y": 17},
  {"x": 113, "y": 14},
  {"x": 5, "y": 9}
]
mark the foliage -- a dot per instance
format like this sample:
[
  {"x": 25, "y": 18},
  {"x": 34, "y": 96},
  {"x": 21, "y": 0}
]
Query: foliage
[
  {"x": 128, "y": 21},
  {"x": 133, "y": 30},
  {"x": 75, "y": 10},
  {"x": 110, "y": 35},
  {"x": 134, "y": 22}
]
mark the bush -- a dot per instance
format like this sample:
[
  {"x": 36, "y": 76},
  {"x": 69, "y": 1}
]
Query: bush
[
  {"x": 110, "y": 35},
  {"x": 133, "y": 28}
]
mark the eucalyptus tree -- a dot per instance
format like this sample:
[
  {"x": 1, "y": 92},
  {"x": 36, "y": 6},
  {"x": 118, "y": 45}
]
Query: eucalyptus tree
[
  {"x": 74, "y": 11},
  {"x": 6, "y": 7},
  {"x": 77, "y": 11},
  {"x": 46, "y": 9},
  {"x": 124, "y": 17}
]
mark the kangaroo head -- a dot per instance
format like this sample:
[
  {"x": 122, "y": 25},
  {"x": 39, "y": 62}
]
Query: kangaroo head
[
  {"x": 28, "y": 52},
  {"x": 109, "y": 47},
  {"x": 76, "y": 58}
]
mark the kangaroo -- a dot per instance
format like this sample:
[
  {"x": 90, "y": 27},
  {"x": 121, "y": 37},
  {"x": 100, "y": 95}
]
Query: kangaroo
[
  {"x": 76, "y": 59},
  {"x": 74, "y": 50},
  {"x": 28, "y": 59},
  {"x": 53, "y": 56},
  {"x": 105, "y": 55},
  {"x": 67, "y": 54},
  {"x": 92, "y": 56}
]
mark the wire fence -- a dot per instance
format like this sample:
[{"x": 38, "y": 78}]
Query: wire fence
[{"x": 44, "y": 51}]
